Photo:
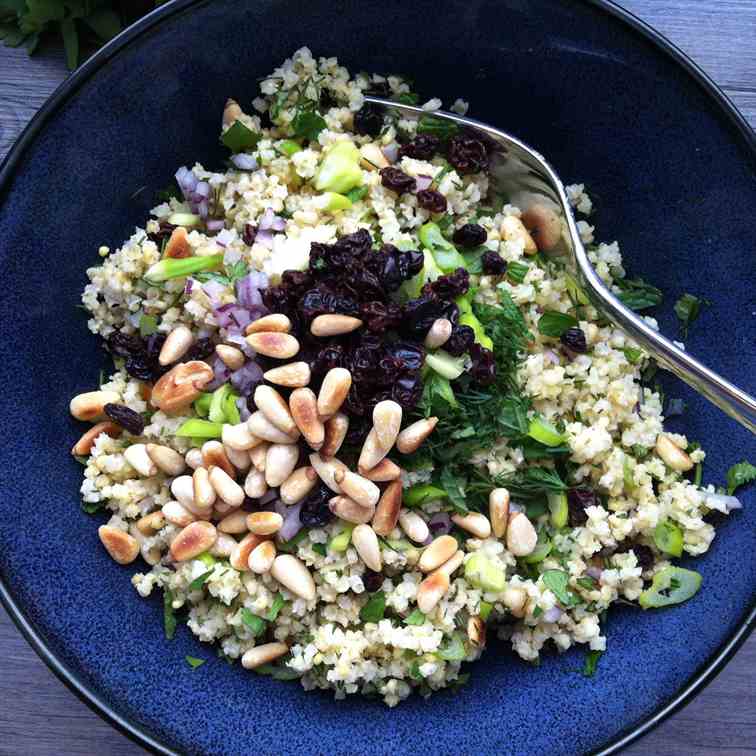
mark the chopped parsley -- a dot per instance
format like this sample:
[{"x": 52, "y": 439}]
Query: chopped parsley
[
  {"x": 557, "y": 582},
  {"x": 240, "y": 138},
  {"x": 632, "y": 355},
  {"x": 307, "y": 124},
  {"x": 194, "y": 662},
  {"x": 278, "y": 603},
  {"x": 636, "y": 294},
  {"x": 438, "y": 127},
  {"x": 740, "y": 474},
  {"x": 356, "y": 194},
  {"x": 687, "y": 309},
  {"x": 554, "y": 324},
  {"x": 591, "y": 662},
  {"x": 278, "y": 671},
  {"x": 416, "y": 618},
  {"x": 374, "y": 609},
  {"x": 256, "y": 625},
  {"x": 198, "y": 582},
  {"x": 453, "y": 649}
]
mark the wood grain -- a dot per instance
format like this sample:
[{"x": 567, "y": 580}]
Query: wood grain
[{"x": 40, "y": 717}]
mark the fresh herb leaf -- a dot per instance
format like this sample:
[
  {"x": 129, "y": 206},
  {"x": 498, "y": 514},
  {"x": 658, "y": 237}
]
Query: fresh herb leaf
[
  {"x": 533, "y": 482},
  {"x": 740, "y": 474},
  {"x": 687, "y": 309},
  {"x": 554, "y": 324},
  {"x": 256, "y": 625},
  {"x": 454, "y": 484},
  {"x": 636, "y": 294},
  {"x": 90, "y": 507},
  {"x": 198, "y": 582},
  {"x": 70, "y": 36},
  {"x": 358, "y": 193},
  {"x": 239, "y": 138},
  {"x": 375, "y": 607},
  {"x": 453, "y": 649},
  {"x": 169, "y": 616},
  {"x": 278, "y": 603},
  {"x": 516, "y": 271},
  {"x": 148, "y": 324},
  {"x": 416, "y": 618},
  {"x": 587, "y": 582},
  {"x": 557, "y": 581},
  {"x": 307, "y": 124},
  {"x": 194, "y": 662},
  {"x": 632, "y": 355},
  {"x": 278, "y": 671},
  {"x": 438, "y": 127},
  {"x": 407, "y": 98},
  {"x": 591, "y": 662},
  {"x": 319, "y": 548},
  {"x": 290, "y": 546}
]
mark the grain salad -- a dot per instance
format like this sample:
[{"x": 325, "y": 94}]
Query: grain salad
[{"x": 361, "y": 415}]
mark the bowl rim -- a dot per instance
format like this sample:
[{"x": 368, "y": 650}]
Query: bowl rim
[{"x": 708, "y": 670}]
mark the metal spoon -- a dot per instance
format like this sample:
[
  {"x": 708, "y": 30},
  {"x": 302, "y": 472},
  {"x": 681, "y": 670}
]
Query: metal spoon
[{"x": 526, "y": 179}]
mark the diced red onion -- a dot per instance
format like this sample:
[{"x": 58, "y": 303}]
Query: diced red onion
[
  {"x": 186, "y": 180},
  {"x": 233, "y": 317},
  {"x": 244, "y": 162},
  {"x": 225, "y": 237},
  {"x": 264, "y": 237},
  {"x": 248, "y": 289},
  {"x": 594, "y": 572},
  {"x": 246, "y": 378},
  {"x": 238, "y": 340},
  {"x": 222, "y": 374},
  {"x": 216, "y": 224},
  {"x": 267, "y": 497},
  {"x": 203, "y": 209},
  {"x": 551, "y": 357},
  {"x": 270, "y": 221},
  {"x": 188, "y": 286},
  {"x": 552, "y": 615},
  {"x": 423, "y": 182},
  {"x": 203, "y": 189},
  {"x": 722, "y": 503},
  {"x": 291, "y": 524},
  {"x": 391, "y": 152},
  {"x": 214, "y": 290},
  {"x": 244, "y": 413},
  {"x": 439, "y": 524}
]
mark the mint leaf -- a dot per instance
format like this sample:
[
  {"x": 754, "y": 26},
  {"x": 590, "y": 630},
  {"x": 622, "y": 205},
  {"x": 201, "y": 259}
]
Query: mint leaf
[
  {"x": 194, "y": 662},
  {"x": 591, "y": 662},
  {"x": 308, "y": 124},
  {"x": 375, "y": 607},
  {"x": 70, "y": 42},
  {"x": 636, "y": 294},
  {"x": 687, "y": 309},
  {"x": 557, "y": 581},
  {"x": 416, "y": 618},
  {"x": 278, "y": 604},
  {"x": 632, "y": 355},
  {"x": 198, "y": 582},
  {"x": 554, "y": 324},
  {"x": 239, "y": 138},
  {"x": 255, "y": 624},
  {"x": 454, "y": 484},
  {"x": 740, "y": 474},
  {"x": 438, "y": 127},
  {"x": 278, "y": 672},
  {"x": 516, "y": 271},
  {"x": 453, "y": 649}
]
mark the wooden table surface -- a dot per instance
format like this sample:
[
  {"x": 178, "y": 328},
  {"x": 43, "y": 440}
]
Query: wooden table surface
[{"x": 40, "y": 717}]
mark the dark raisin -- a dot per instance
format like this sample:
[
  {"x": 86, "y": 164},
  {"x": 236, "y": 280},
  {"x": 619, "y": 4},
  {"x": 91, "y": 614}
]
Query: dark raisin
[
  {"x": 327, "y": 100},
  {"x": 450, "y": 287},
  {"x": 129, "y": 420},
  {"x": 201, "y": 349},
  {"x": 493, "y": 263},
  {"x": 249, "y": 234},
  {"x": 379, "y": 89},
  {"x": 577, "y": 501},
  {"x": 320, "y": 300},
  {"x": 155, "y": 344},
  {"x": 410, "y": 263},
  {"x": 398, "y": 181},
  {"x": 250, "y": 505},
  {"x": 422, "y": 147},
  {"x": 432, "y": 201},
  {"x": 141, "y": 368},
  {"x": 467, "y": 154},
  {"x": 379, "y": 317},
  {"x": 315, "y": 512},
  {"x": 406, "y": 355},
  {"x": 644, "y": 555},
  {"x": 368, "y": 120},
  {"x": 121, "y": 344},
  {"x": 460, "y": 341},
  {"x": 483, "y": 370},
  {"x": 420, "y": 313},
  {"x": 407, "y": 391},
  {"x": 574, "y": 340},
  {"x": 372, "y": 581},
  {"x": 470, "y": 235},
  {"x": 358, "y": 429}
]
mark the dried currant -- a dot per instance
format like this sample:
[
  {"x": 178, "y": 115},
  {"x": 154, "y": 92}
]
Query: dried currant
[
  {"x": 467, "y": 154},
  {"x": 493, "y": 263},
  {"x": 121, "y": 344},
  {"x": 470, "y": 235},
  {"x": 126, "y": 417},
  {"x": 422, "y": 147},
  {"x": 578, "y": 499},
  {"x": 461, "y": 340},
  {"x": 431, "y": 200},
  {"x": 450, "y": 287},
  {"x": 483, "y": 370},
  {"x": 249, "y": 233},
  {"x": 368, "y": 120},
  {"x": 200, "y": 350},
  {"x": 574, "y": 340},
  {"x": 315, "y": 512},
  {"x": 372, "y": 581},
  {"x": 397, "y": 180}
]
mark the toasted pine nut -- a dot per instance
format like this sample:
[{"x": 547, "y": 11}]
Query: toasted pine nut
[
  {"x": 223, "y": 546},
  {"x": 387, "y": 420},
  {"x": 226, "y": 487},
  {"x": 231, "y": 112},
  {"x": 259, "y": 425},
  {"x": 349, "y": 510},
  {"x": 414, "y": 526},
  {"x": 498, "y": 511},
  {"x": 431, "y": 591},
  {"x": 514, "y": 599},
  {"x": 182, "y": 488},
  {"x": 326, "y": 470},
  {"x": 234, "y": 523},
  {"x": 121, "y": 546},
  {"x": 412, "y": 437},
  {"x": 293, "y": 375},
  {"x": 193, "y": 458},
  {"x": 176, "y": 345},
  {"x": 151, "y": 523},
  {"x": 90, "y": 405},
  {"x": 438, "y": 334},
  {"x": 136, "y": 455},
  {"x": 451, "y": 565},
  {"x": 193, "y": 540},
  {"x": 220, "y": 510},
  {"x": 181, "y": 385},
  {"x": 280, "y": 463},
  {"x": 214, "y": 455},
  {"x": 336, "y": 428},
  {"x": 280, "y": 346},
  {"x": 476, "y": 631},
  {"x": 384, "y": 471},
  {"x": 151, "y": 556},
  {"x": 521, "y": 535},
  {"x": 84, "y": 445},
  {"x": 512, "y": 229},
  {"x": 264, "y": 523},
  {"x": 259, "y": 655},
  {"x": 239, "y": 459},
  {"x": 255, "y": 485},
  {"x": 262, "y": 557},
  {"x": 204, "y": 493},
  {"x": 231, "y": 357},
  {"x": 544, "y": 225},
  {"x": 167, "y": 459},
  {"x": 239, "y": 437},
  {"x": 239, "y": 558},
  {"x": 178, "y": 245},
  {"x": 298, "y": 485},
  {"x": 303, "y": 405},
  {"x": 362, "y": 490},
  {"x": 177, "y": 514},
  {"x": 437, "y": 552},
  {"x": 292, "y": 574},
  {"x": 276, "y": 323},
  {"x": 372, "y": 452},
  {"x": 365, "y": 541},
  {"x": 473, "y": 522},
  {"x": 259, "y": 456},
  {"x": 334, "y": 325},
  {"x": 275, "y": 409},
  {"x": 672, "y": 455},
  {"x": 387, "y": 509},
  {"x": 333, "y": 391},
  {"x": 372, "y": 157}
]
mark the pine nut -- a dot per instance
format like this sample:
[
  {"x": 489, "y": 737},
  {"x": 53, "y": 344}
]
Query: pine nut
[
  {"x": 372, "y": 452},
  {"x": 326, "y": 470},
  {"x": 334, "y": 325},
  {"x": 512, "y": 229},
  {"x": 231, "y": 357},
  {"x": 182, "y": 489},
  {"x": 259, "y": 655},
  {"x": 298, "y": 485},
  {"x": 255, "y": 486},
  {"x": 412, "y": 437},
  {"x": 303, "y": 405},
  {"x": 259, "y": 425},
  {"x": 372, "y": 157},
  {"x": 275, "y": 409},
  {"x": 672, "y": 455},
  {"x": 521, "y": 535},
  {"x": 276, "y": 323},
  {"x": 90, "y": 405},
  {"x": 239, "y": 459},
  {"x": 193, "y": 540},
  {"x": 515, "y": 599},
  {"x": 214, "y": 455},
  {"x": 387, "y": 420},
  {"x": 223, "y": 546},
  {"x": 293, "y": 375},
  {"x": 83, "y": 446},
  {"x": 219, "y": 511},
  {"x": 414, "y": 526},
  {"x": 438, "y": 334},
  {"x": 362, "y": 490},
  {"x": 204, "y": 493},
  {"x": 193, "y": 458},
  {"x": 473, "y": 522},
  {"x": 234, "y": 523},
  {"x": 292, "y": 574},
  {"x": 431, "y": 591},
  {"x": 349, "y": 510},
  {"x": 226, "y": 487},
  {"x": 121, "y": 546},
  {"x": 437, "y": 552},
  {"x": 498, "y": 511},
  {"x": 262, "y": 557},
  {"x": 152, "y": 555},
  {"x": 333, "y": 391},
  {"x": 545, "y": 226},
  {"x": 476, "y": 631},
  {"x": 136, "y": 455},
  {"x": 451, "y": 565},
  {"x": 258, "y": 456},
  {"x": 176, "y": 345},
  {"x": 264, "y": 523},
  {"x": 239, "y": 558},
  {"x": 280, "y": 463},
  {"x": 384, "y": 471},
  {"x": 167, "y": 459},
  {"x": 239, "y": 437},
  {"x": 387, "y": 510},
  {"x": 178, "y": 245},
  {"x": 177, "y": 514},
  {"x": 280, "y": 346},
  {"x": 336, "y": 428},
  {"x": 180, "y": 386},
  {"x": 231, "y": 112},
  {"x": 365, "y": 541},
  {"x": 151, "y": 523}
]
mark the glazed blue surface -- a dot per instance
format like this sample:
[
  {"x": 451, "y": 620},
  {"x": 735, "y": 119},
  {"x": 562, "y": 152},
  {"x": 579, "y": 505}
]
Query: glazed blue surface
[{"x": 672, "y": 180}]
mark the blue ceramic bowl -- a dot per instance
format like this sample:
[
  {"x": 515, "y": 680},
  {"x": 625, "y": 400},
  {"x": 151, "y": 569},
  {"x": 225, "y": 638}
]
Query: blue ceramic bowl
[{"x": 672, "y": 167}]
